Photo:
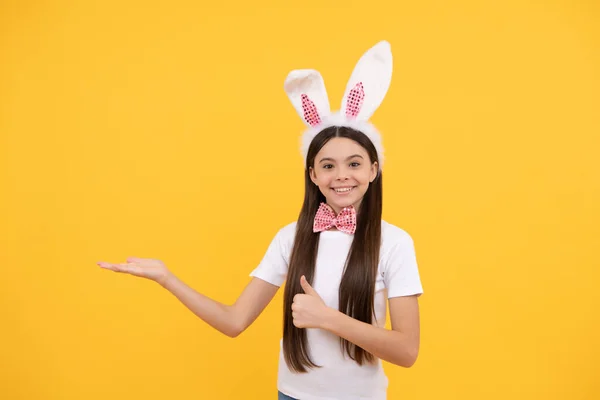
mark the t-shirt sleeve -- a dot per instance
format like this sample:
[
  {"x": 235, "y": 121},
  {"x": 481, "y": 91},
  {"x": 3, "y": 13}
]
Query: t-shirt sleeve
[
  {"x": 401, "y": 273},
  {"x": 274, "y": 265}
]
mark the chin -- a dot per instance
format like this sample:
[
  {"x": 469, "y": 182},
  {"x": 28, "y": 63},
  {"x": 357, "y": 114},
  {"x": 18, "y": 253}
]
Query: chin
[{"x": 342, "y": 203}]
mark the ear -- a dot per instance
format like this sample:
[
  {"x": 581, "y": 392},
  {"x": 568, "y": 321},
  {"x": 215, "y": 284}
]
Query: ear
[
  {"x": 368, "y": 83},
  {"x": 306, "y": 90},
  {"x": 313, "y": 175},
  {"x": 374, "y": 171}
]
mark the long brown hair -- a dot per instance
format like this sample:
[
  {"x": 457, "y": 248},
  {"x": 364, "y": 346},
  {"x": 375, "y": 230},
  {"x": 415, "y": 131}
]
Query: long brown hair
[{"x": 357, "y": 287}]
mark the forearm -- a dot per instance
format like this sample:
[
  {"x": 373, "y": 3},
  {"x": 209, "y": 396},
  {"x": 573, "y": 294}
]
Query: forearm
[
  {"x": 389, "y": 345},
  {"x": 217, "y": 315}
]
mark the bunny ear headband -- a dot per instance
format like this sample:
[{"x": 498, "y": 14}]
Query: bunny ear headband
[{"x": 365, "y": 91}]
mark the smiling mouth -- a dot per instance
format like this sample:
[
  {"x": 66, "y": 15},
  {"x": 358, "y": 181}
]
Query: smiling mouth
[{"x": 344, "y": 190}]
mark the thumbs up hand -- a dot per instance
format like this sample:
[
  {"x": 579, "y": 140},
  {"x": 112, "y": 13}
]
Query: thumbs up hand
[{"x": 308, "y": 309}]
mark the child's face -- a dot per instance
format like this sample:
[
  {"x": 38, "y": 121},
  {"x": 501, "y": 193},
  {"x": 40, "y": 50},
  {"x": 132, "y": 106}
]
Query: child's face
[{"x": 343, "y": 171}]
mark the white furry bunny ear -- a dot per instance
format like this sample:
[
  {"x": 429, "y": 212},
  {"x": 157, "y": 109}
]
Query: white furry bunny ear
[
  {"x": 368, "y": 83},
  {"x": 306, "y": 90}
]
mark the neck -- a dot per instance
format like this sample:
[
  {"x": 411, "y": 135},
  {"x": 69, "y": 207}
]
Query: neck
[{"x": 337, "y": 209}]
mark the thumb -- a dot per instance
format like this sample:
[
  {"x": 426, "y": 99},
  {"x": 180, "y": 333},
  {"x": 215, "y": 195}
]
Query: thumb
[{"x": 307, "y": 288}]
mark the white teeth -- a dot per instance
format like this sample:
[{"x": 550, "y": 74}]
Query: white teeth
[{"x": 343, "y": 190}]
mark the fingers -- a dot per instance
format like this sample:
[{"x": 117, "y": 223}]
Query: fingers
[
  {"x": 123, "y": 267},
  {"x": 105, "y": 265},
  {"x": 306, "y": 286},
  {"x": 296, "y": 321},
  {"x": 128, "y": 267},
  {"x": 137, "y": 259}
]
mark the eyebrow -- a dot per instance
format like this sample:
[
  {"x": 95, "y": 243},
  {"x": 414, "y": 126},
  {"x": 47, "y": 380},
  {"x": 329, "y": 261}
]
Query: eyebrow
[{"x": 347, "y": 158}]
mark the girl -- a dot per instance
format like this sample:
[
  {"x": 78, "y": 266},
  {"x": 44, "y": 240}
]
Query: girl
[{"x": 339, "y": 260}]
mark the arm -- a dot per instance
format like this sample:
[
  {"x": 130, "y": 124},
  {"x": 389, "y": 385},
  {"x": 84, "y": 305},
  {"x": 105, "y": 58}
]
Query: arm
[
  {"x": 230, "y": 320},
  {"x": 400, "y": 345}
]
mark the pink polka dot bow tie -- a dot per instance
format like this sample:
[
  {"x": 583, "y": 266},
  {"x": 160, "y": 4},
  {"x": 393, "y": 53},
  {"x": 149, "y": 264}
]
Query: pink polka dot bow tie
[{"x": 326, "y": 219}]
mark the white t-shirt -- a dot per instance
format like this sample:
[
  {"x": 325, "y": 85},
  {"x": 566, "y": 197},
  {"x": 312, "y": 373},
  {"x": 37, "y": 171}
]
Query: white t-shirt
[{"x": 339, "y": 376}]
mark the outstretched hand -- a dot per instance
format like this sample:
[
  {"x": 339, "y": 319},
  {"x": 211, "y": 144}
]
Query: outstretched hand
[
  {"x": 147, "y": 268},
  {"x": 308, "y": 309}
]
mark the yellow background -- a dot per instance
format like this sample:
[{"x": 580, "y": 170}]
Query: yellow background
[{"x": 161, "y": 130}]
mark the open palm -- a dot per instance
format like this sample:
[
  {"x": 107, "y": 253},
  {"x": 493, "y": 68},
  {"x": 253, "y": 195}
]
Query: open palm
[{"x": 143, "y": 267}]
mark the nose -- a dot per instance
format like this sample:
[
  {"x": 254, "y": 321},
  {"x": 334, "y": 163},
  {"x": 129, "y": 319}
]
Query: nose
[{"x": 342, "y": 174}]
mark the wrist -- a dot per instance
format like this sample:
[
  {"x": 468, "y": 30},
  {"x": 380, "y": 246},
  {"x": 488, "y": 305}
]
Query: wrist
[
  {"x": 165, "y": 279},
  {"x": 331, "y": 319}
]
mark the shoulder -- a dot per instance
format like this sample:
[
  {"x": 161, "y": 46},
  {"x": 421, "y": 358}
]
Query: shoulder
[
  {"x": 286, "y": 234},
  {"x": 393, "y": 234},
  {"x": 394, "y": 238},
  {"x": 398, "y": 262},
  {"x": 288, "y": 231}
]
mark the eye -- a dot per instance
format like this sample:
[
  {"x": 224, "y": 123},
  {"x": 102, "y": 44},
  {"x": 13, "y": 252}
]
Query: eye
[
  {"x": 327, "y": 166},
  {"x": 355, "y": 164}
]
